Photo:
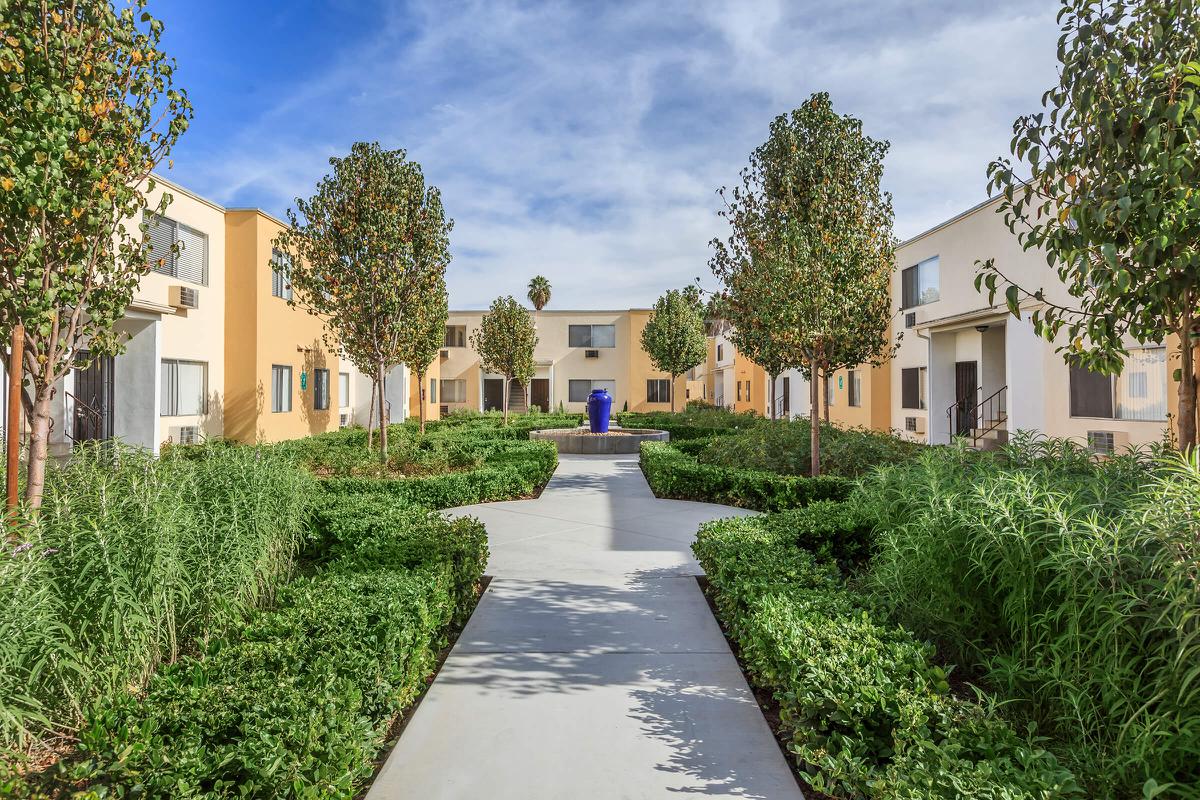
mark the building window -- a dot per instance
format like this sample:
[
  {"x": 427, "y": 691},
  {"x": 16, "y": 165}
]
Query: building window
[
  {"x": 343, "y": 390},
  {"x": 321, "y": 389},
  {"x": 739, "y": 391},
  {"x": 828, "y": 381},
  {"x": 912, "y": 387},
  {"x": 433, "y": 393},
  {"x": 1138, "y": 393},
  {"x": 592, "y": 335},
  {"x": 281, "y": 389},
  {"x": 456, "y": 336},
  {"x": 854, "y": 384},
  {"x": 190, "y": 263},
  {"x": 658, "y": 390},
  {"x": 281, "y": 275},
  {"x": 920, "y": 284},
  {"x": 720, "y": 352},
  {"x": 452, "y": 391},
  {"x": 184, "y": 388},
  {"x": 578, "y": 390}
]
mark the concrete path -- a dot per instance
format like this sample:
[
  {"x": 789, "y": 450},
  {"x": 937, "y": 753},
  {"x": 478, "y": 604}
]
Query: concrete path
[{"x": 592, "y": 667}]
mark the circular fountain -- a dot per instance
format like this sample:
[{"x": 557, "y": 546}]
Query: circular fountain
[{"x": 615, "y": 441}]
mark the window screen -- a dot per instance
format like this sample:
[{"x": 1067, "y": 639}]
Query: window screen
[
  {"x": 658, "y": 390},
  {"x": 911, "y": 393},
  {"x": 343, "y": 390},
  {"x": 281, "y": 388},
  {"x": 190, "y": 263},
  {"x": 320, "y": 389},
  {"x": 453, "y": 391},
  {"x": 592, "y": 335},
  {"x": 1091, "y": 393},
  {"x": 456, "y": 336},
  {"x": 1141, "y": 388},
  {"x": 854, "y": 383},
  {"x": 579, "y": 389},
  {"x": 184, "y": 388},
  {"x": 281, "y": 285}
]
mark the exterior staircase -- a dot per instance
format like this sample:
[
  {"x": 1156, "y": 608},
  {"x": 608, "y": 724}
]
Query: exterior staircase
[
  {"x": 518, "y": 398},
  {"x": 983, "y": 424}
]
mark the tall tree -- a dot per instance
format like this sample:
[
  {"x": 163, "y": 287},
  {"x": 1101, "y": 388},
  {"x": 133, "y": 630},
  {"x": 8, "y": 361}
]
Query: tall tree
[
  {"x": 505, "y": 340},
  {"x": 354, "y": 255},
  {"x": 88, "y": 109},
  {"x": 1112, "y": 195},
  {"x": 539, "y": 292},
  {"x": 674, "y": 335},
  {"x": 426, "y": 300},
  {"x": 807, "y": 266},
  {"x": 425, "y": 333}
]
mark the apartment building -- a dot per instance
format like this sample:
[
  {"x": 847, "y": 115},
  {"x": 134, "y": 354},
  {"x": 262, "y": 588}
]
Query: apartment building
[
  {"x": 282, "y": 381},
  {"x": 577, "y": 351},
  {"x": 969, "y": 368},
  {"x": 168, "y": 384}
]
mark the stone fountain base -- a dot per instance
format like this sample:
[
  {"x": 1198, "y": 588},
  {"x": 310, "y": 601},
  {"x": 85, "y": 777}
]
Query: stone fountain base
[{"x": 617, "y": 441}]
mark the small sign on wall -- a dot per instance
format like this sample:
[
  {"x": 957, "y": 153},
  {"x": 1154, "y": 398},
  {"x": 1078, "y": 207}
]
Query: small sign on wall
[
  {"x": 303, "y": 381},
  {"x": 841, "y": 378}
]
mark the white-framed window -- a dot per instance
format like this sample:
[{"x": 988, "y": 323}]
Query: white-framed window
[
  {"x": 343, "y": 390},
  {"x": 433, "y": 390},
  {"x": 1139, "y": 393},
  {"x": 281, "y": 275},
  {"x": 658, "y": 390},
  {"x": 321, "y": 389},
  {"x": 190, "y": 263},
  {"x": 912, "y": 387},
  {"x": 829, "y": 387},
  {"x": 184, "y": 388},
  {"x": 456, "y": 336},
  {"x": 281, "y": 388},
  {"x": 854, "y": 384},
  {"x": 921, "y": 283},
  {"x": 720, "y": 352},
  {"x": 453, "y": 390},
  {"x": 592, "y": 336},
  {"x": 579, "y": 389}
]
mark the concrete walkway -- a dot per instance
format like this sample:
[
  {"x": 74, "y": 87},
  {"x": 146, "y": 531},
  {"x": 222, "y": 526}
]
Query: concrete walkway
[{"x": 592, "y": 667}]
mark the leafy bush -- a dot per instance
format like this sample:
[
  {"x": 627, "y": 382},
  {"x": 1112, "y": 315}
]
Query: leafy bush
[
  {"x": 867, "y": 712},
  {"x": 695, "y": 422},
  {"x": 672, "y": 473},
  {"x": 297, "y": 702},
  {"x": 784, "y": 447},
  {"x": 1070, "y": 584},
  {"x": 132, "y": 561}
]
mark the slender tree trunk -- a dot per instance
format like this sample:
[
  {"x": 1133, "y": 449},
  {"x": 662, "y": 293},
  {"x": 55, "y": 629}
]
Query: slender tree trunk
[
  {"x": 1187, "y": 386},
  {"x": 39, "y": 447},
  {"x": 383, "y": 432},
  {"x": 371, "y": 418},
  {"x": 814, "y": 421},
  {"x": 421, "y": 401},
  {"x": 504, "y": 396},
  {"x": 825, "y": 397}
]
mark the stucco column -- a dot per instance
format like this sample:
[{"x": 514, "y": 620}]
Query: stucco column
[{"x": 1024, "y": 353}]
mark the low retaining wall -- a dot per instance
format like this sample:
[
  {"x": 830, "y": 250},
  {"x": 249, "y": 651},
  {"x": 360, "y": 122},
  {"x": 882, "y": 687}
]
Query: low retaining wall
[{"x": 618, "y": 441}]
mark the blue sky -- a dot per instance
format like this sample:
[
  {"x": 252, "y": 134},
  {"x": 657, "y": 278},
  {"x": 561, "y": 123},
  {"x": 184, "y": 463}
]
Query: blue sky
[{"x": 585, "y": 140}]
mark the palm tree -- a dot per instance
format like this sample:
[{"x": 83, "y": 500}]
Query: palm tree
[{"x": 539, "y": 292}]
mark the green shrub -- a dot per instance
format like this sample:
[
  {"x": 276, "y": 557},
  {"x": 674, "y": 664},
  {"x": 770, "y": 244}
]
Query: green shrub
[
  {"x": 1069, "y": 583},
  {"x": 132, "y": 561},
  {"x": 694, "y": 422},
  {"x": 672, "y": 473},
  {"x": 297, "y": 702},
  {"x": 784, "y": 447},
  {"x": 866, "y": 711}
]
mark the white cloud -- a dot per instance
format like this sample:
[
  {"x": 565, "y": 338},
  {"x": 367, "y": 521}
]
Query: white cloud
[{"x": 586, "y": 141}]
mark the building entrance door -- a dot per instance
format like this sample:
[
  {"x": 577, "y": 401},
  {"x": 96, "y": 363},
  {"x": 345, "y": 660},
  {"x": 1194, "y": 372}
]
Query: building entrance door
[
  {"x": 539, "y": 394},
  {"x": 966, "y": 396},
  {"x": 93, "y": 400},
  {"x": 493, "y": 394}
]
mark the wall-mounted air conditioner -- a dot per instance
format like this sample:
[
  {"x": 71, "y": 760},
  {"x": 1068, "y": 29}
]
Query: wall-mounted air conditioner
[
  {"x": 445, "y": 354},
  {"x": 443, "y": 411},
  {"x": 1107, "y": 442},
  {"x": 910, "y": 319},
  {"x": 183, "y": 297},
  {"x": 591, "y": 353},
  {"x": 914, "y": 424},
  {"x": 183, "y": 434},
  {"x": 343, "y": 419}
]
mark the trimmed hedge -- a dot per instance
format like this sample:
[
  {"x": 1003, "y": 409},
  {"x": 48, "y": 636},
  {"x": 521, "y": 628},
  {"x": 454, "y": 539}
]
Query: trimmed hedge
[
  {"x": 675, "y": 474},
  {"x": 299, "y": 702},
  {"x": 867, "y": 712},
  {"x": 512, "y": 469}
]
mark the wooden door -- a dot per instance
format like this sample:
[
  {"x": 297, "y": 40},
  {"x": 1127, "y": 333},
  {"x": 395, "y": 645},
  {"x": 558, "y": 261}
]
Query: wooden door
[
  {"x": 966, "y": 396},
  {"x": 539, "y": 394},
  {"x": 493, "y": 394}
]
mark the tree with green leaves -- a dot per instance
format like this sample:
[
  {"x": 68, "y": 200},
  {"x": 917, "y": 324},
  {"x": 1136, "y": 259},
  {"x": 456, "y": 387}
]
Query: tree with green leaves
[
  {"x": 539, "y": 292},
  {"x": 807, "y": 267},
  {"x": 505, "y": 340},
  {"x": 1113, "y": 193},
  {"x": 360, "y": 254},
  {"x": 674, "y": 335},
  {"x": 88, "y": 109},
  {"x": 426, "y": 300}
]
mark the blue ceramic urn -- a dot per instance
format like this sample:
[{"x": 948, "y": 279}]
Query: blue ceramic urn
[{"x": 599, "y": 404}]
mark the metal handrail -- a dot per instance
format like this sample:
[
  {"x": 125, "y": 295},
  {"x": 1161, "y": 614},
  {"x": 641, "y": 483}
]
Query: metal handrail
[
  {"x": 993, "y": 409},
  {"x": 93, "y": 419}
]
